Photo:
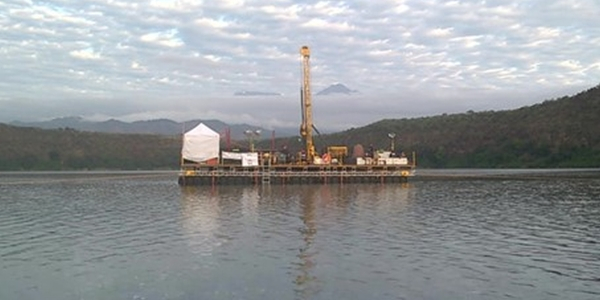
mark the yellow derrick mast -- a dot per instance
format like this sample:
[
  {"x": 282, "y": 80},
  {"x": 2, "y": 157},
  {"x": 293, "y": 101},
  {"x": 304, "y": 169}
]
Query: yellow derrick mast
[{"x": 306, "y": 128}]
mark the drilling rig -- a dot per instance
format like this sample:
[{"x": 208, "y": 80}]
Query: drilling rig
[
  {"x": 306, "y": 128},
  {"x": 309, "y": 167}
]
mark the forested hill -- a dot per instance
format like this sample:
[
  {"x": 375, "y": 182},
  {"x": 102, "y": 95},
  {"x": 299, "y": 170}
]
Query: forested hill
[
  {"x": 24, "y": 148},
  {"x": 556, "y": 133},
  {"x": 563, "y": 132}
]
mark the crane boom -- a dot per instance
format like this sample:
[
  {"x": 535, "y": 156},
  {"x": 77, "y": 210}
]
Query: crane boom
[{"x": 306, "y": 127}]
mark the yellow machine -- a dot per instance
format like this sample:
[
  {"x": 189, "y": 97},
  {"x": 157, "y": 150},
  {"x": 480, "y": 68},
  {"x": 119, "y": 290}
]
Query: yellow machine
[{"x": 337, "y": 154}]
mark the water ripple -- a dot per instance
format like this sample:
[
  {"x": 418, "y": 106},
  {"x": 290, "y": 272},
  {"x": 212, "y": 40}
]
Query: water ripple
[{"x": 149, "y": 238}]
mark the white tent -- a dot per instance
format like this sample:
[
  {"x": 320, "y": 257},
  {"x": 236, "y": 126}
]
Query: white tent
[{"x": 200, "y": 144}]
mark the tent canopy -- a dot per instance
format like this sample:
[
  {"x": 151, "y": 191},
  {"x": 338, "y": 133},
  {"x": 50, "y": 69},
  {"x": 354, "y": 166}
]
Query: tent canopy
[{"x": 200, "y": 144}]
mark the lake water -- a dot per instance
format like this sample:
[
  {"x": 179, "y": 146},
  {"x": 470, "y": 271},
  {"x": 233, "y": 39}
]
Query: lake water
[{"x": 138, "y": 235}]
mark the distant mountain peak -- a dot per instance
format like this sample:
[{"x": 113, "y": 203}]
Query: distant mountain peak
[{"x": 336, "y": 88}]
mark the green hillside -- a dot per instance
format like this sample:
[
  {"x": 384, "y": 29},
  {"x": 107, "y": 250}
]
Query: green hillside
[
  {"x": 23, "y": 148},
  {"x": 562, "y": 132},
  {"x": 556, "y": 133}
]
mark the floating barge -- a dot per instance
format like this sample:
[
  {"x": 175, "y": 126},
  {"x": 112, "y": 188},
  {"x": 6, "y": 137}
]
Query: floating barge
[
  {"x": 293, "y": 174},
  {"x": 203, "y": 163}
]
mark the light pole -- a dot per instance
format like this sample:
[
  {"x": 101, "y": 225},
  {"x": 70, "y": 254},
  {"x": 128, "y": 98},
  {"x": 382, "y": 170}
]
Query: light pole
[
  {"x": 252, "y": 134},
  {"x": 392, "y": 136}
]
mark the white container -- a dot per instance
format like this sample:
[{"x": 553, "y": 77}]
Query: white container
[{"x": 360, "y": 161}]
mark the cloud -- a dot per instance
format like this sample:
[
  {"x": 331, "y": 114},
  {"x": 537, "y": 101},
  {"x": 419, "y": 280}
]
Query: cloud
[
  {"x": 322, "y": 24},
  {"x": 183, "y": 58},
  {"x": 440, "y": 32},
  {"x": 87, "y": 53},
  {"x": 168, "y": 38}
]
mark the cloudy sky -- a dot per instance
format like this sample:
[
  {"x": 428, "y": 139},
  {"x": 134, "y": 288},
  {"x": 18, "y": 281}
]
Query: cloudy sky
[{"x": 185, "y": 59}]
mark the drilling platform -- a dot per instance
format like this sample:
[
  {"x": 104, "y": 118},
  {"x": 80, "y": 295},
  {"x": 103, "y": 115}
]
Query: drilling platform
[{"x": 308, "y": 167}]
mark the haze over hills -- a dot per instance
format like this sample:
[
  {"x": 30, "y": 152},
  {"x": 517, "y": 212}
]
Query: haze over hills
[
  {"x": 256, "y": 93},
  {"x": 159, "y": 126},
  {"x": 336, "y": 88},
  {"x": 170, "y": 127}
]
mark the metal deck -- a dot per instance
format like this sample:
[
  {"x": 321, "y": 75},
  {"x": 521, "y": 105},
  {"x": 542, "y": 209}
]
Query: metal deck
[{"x": 293, "y": 174}]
